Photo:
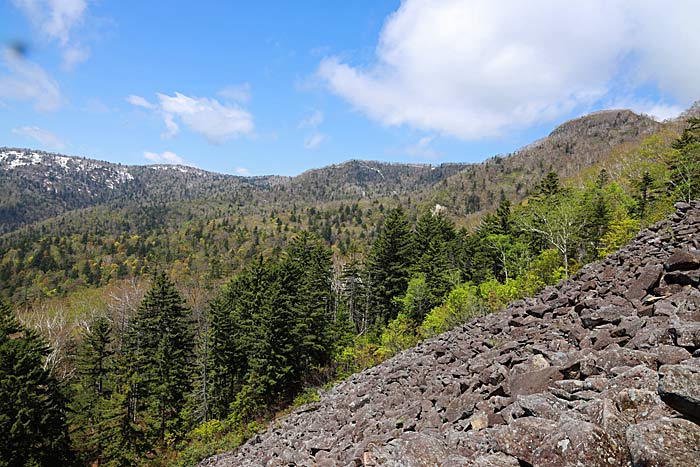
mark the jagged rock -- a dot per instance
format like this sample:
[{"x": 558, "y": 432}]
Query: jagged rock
[
  {"x": 637, "y": 405},
  {"x": 544, "y": 443},
  {"x": 688, "y": 335},
  {"x": 682, "y": 260},
  {"x": 666, "y": 442},
  {"x": 679, "y": 387},
  {"x": 594, "y": 372},
  {"x": 648, "y": 279},
  {"x": 412, "y": 450},
  {"x": 497, "y": 459},
  {"x": 544, "y": 405},
  {"x": 461, "y": 407},
  {"x": 533, "y": 382},
  {"x": 670, "y": 355},
  {"x": 682, "y": 206},
  {"x": 683, "y": 278}
]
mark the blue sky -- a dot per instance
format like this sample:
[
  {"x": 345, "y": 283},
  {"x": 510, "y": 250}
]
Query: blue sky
[{"x": 281, "y": 87}]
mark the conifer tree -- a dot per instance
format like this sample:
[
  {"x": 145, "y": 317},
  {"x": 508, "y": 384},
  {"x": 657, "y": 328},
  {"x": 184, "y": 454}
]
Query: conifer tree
[
  {"x": 161, "y": 346},
  {"x": 644, "y": 196},
  {"x": 549, "y": 186},
  {"x": 389, "y": 263},
  {"x": 237, "y": 316},
  {"x": 308, "y": 268},
  {"x": 434, "y": 239},
  {"x": 92, "y": 390},
  {"x": 684, "y": 166},
  {"x": 32, "y": 421},
  {"x": 598, "y": 215}
]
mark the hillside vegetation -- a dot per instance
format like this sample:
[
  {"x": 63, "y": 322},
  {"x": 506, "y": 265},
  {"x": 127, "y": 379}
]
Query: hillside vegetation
[
  {"x": 161, "y": 365},
  {"x": 103, "y": 222}
]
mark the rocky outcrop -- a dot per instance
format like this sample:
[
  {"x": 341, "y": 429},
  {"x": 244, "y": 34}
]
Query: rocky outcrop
[{"x": 601, "y": 370}]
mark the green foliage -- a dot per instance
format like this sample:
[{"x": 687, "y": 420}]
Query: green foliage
[
  {"x": 159, "y": 350},
  {"x": 92, "y": 390},
  {"x": 308, "y": 396},
  {"x": 549, "y": 186},
  {"x": 359, "y": 355},
  {"x": 314, "y": 294},
  {"x": 210, "y": 438},
  {"x": 399, "y": 334},
  {"x": 272, "y": 331},
  {"x": 557, "y": 221},
  {"x": 416, "y": 302},
  {"x": 388, "y": 265},
  {"x": 620, "y": 231},
  {"x": 32, "y": 411},
  {"x": 684, "y": 163},
  {"x": 546, "y": 268},
  {"x": 462, "y": 303}
]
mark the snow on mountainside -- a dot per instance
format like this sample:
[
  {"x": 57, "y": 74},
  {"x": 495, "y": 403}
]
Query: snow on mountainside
[{"x": 53, "y": 167}]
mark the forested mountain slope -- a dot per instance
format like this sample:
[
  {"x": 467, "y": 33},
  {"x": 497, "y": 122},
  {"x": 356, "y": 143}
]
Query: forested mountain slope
[
  {"x": 50, "y": 184},
  {"x": 572, "y": 147},
  {"x": 40, "y": 185},
  {"x": 72, "y": 222},
  {"x": 602, "y": 369}
]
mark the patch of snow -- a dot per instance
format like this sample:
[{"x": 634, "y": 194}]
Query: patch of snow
[
  {"x": 57, "y": 165},
  {"x": 62, "y": 161},
  {"x": 179, "y": 168},
  {"x": 375, "y": 169}
]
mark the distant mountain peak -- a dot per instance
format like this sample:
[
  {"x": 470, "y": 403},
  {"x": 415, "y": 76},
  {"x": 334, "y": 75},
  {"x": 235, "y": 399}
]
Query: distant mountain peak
[
  {"x": 603, "y": 119},
  {"x": 52, "y": 165}
]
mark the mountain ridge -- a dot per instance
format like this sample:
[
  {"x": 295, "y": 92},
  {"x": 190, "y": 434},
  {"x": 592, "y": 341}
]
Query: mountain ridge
[
  {"x": 350, "y": 179},
  {"x": 146, "y": 219}
]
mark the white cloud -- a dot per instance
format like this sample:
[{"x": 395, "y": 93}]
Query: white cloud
[
  {"x": 210, "y": 118},
  {"x": 477, "y": 68},
  {"x": 314, "y": 141},
  {"x": 27, "y": 81},
  {"x": 139, "y": 102},
  {"x": 313, "y": 120},
  {"x": 661, "y": 112},
  {"x": 57, "y": 20},
  {"x": 657, "y": 110},
  {"x": 45, "y": 138},
  {"x": 237, "y": 93},
  {"x": 422, "y": 149},
  {"x": 166, "y": 157},
  {"x": 316, "y": 138},
  {"x": 242, "y": 171},
  {"x": 74, "y": 55}
]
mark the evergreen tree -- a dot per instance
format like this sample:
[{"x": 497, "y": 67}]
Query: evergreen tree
[
  {"x": 307, "y": 270},
  {"x": 92, "y": 390},
  {"x": 690, "y": 135},
  {"x": 32, "y": 421},
  {"x": 389, "y": 263},
  {"x": 684, "y": 166},
  {"x": 598, "y": 215},
  {"x": 121, "y": 426},
  {"x": 549, "y": 186},
  {"x": 160, "y": 344},
  {"x": 237, "y": 316},
  {"x": 644, "y": 196}
]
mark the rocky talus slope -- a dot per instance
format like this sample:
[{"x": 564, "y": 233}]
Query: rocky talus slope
[{"x": 602, "y": 370}]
